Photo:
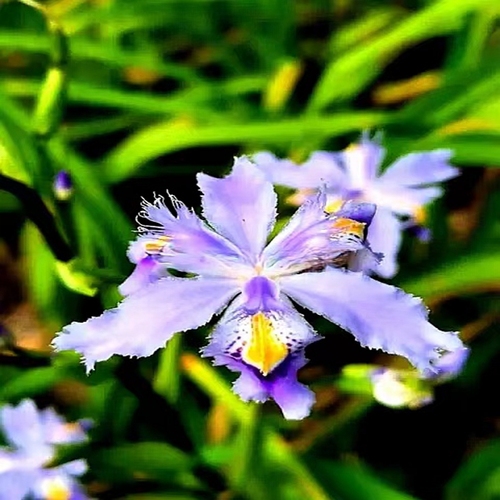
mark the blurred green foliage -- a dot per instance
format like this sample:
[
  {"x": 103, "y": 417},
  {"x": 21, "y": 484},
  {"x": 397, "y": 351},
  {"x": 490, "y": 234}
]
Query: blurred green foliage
[{"x": 132, "y": 97}]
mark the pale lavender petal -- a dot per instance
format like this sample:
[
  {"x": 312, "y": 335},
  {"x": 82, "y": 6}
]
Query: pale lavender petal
[
  {"x": 384, "y": 237},
  {"x": 450, "y": 364},
  {"x": 17, "y": 484},
  {"x": 378, "y": 315},
  {"x": 147, "y": 271},
  {"x": 57, "y": 431},
  {"x": 361, "y": 162},
  {"x": 146, "y": 320},
  {"x": 403, "y": 200},
  {"x": 241, "y": 206},
  {"x": 21, "y": 425},
  {"x": 417, "y": 169},
  {"x": 319, "y": 170},
  {"x": 314, "y": 238},
  {"x": 74, "y": 468},
  {"x": 179, "y": 239}
]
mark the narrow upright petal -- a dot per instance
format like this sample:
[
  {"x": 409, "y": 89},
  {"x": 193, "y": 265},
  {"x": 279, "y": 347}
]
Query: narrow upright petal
[
  {"x": 241, "y": 206},
  {"x": 378, "y": 315},
  {"x": 417, "y": 169},
  {"x": 146, "y": 320}
]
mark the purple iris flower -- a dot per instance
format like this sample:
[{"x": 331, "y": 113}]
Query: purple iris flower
[
  {"x": 400, "y": 192},
  {"x": 32, "y": 437},
  {"x": 230, "y": 266}
]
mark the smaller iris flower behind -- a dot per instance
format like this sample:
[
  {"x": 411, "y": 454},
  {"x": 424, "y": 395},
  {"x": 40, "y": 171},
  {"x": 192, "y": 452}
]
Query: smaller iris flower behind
[
  {"x": 32, "y": 437},
  {"x": 400, "y": 192},
  {"x": 231, "y": 267}
]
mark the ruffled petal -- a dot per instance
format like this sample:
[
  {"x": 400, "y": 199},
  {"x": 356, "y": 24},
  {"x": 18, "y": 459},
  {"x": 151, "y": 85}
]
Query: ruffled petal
[
  {"x": 178, "y": 239},
  {"x": 378, "y": 315},
  {"x": 384, "y": 237},
  {"x": 241, "y": 206},
  {"x": 319, "y": 170},
  {"x": 146, "y": 320},
  {"x": 417, "y": 169}
]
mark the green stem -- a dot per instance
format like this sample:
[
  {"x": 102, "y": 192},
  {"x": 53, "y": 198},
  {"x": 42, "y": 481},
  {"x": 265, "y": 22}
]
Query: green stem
[{"x": 167, "y": 378}]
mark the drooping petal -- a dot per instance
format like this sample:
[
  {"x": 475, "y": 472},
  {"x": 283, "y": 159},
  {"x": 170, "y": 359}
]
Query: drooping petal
[
  {"x": 384, "y": 237},
  {"x": 294, "y": 398},
  {"x": 450, "y": 364},
  {"x": 181, "y": 241},
  {"x": 417, "y": 169},
  {"x": 146, "y": 320},
  {"x": 241, "y": 206},
  {"x": 378, "y": 315},
  {"x": 321, "y": 169}
]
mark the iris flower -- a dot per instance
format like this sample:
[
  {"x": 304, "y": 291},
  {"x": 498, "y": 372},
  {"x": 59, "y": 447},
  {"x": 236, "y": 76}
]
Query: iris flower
[
  {"x": 32, "y": 436},
  {"x": 400, "y": 192},
  {"x": 229, "y": 266}
]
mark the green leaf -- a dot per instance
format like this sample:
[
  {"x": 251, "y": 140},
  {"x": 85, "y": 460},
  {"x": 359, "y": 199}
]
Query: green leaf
[
  {"x": 354, "y": 481},
  {"x": 348, "y": 74},
  {"x": 148, "y": 459},
  {"x": 478, "y": 477},
  {"x": 464, "y": 275},
  {"x": 167, "y": 137}
]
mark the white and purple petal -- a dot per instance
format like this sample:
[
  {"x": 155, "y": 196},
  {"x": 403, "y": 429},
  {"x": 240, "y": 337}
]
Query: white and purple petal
[
  {"x": 146, "y": 320},
  {"x": 378, "y": 315}
]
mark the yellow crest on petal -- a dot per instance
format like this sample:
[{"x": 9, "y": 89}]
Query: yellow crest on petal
[
  {"x": 349, "y": 226},
  {"x": 55, "y": 489},
  {"x": 264, "y": 350}
]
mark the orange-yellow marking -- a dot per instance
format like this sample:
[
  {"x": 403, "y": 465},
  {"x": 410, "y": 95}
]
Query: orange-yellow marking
[
  {"x": 264, "y": 350},
  {"x": 420, "y": 216},
  {"x": 156, "y": 246},
  {"x": 349, "y": 226}
]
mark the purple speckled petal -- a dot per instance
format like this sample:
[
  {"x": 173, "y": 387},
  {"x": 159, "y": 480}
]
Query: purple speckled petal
[
  {"x": 241, "y": 206},
  {"x": 378, "y": 315},
  {"x": 384, "y": 237},
  {"x": 146, "y": 320},
  {"x": 417, "y": 169}
]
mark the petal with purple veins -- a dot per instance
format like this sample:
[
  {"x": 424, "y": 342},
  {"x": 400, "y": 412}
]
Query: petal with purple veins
[
  {"x": 146, "y": 320},
  {"x": 378, "y": 315}
]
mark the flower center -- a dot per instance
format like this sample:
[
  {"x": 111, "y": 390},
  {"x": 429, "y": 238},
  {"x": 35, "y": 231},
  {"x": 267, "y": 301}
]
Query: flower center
[
  {"x": 264, "y": 350},
  {"x": 55, "y": 489}
]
